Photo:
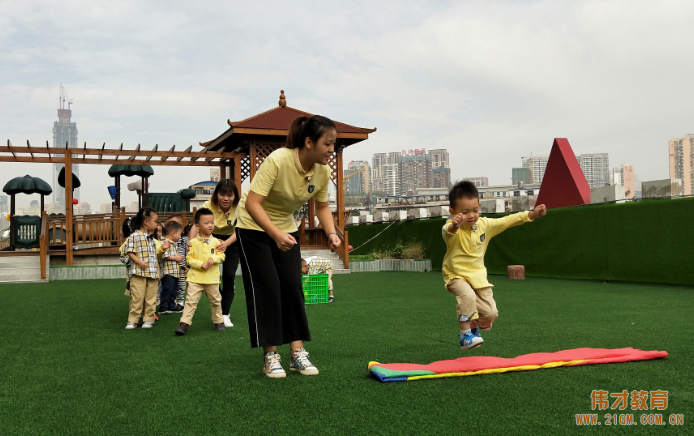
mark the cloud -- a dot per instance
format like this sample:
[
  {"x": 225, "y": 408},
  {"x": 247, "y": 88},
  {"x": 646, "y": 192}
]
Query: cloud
[{"x": 489, "y": 80}]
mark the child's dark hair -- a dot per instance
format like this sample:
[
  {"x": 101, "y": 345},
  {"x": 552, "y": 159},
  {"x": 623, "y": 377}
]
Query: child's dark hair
[
  {"x": 312, "y": 127},
  {"x": 143, "y": 214},
  {"x": 225, "y": 186},
  {"x": 175, "y": 215},
  {"x": 127, "y": 229},
  {"x": 460, "y": 190},
  {"x": 186, "y": 229},
  {"x": 172, "y": 227},
  {"x": 202, "y": 212}
]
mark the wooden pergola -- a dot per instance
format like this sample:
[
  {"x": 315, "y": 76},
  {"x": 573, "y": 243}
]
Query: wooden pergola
[
  {"x": 238, "y": 152},
  {"x": 106, "y": 156},
  {"x": 254, "y": 138}
]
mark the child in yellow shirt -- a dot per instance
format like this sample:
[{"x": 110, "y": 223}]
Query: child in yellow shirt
[
  {"x": 203, "y": 275},
  {"x": 467, "y": 236}
]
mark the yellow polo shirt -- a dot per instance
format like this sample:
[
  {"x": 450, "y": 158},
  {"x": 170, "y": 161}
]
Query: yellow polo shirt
[
  {"x": 202, "y": 250},
  {"x": 286, "y": 187},
  {"x": 223, "y": 221},
  {"x": 464, "y": 257}
]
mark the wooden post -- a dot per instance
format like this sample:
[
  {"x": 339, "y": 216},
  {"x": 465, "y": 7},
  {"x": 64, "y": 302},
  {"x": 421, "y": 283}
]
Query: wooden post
[
  {"x": 68, "y": 207},
  {"x": 340, "y": 193},
  {"x": 117, "y": 192},
  {"x": 42, "y": 255},
  {"x": 42, "y": 204},
  {"x": 311, "y": 213},
  {"x": 302, "y": 232},
  {"x": 12, "y": 212},
  {"x": 346, "y": 248},
  {"x": 237, "y": 171},
  {"x": 145, "y": 192}
]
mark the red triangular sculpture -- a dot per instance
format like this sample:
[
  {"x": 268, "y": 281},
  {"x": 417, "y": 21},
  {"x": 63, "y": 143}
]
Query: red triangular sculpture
[{"x": 563, "y": 184}]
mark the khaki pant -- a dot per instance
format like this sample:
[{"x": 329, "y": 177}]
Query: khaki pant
[
  {"x": 143, "y": 298},
  {"x": 195, "y": 291},
  {"x": 474, "y": 304}
]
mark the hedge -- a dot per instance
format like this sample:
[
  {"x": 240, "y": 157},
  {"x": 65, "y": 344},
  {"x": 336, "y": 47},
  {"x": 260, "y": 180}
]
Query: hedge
[{"x": 644, "y": 241}]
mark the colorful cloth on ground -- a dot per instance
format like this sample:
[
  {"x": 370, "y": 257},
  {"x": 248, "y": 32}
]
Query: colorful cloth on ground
[{"x": 477, "y": 365}]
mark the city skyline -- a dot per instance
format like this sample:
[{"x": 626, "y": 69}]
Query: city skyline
[{"x": 419, "y": 74}]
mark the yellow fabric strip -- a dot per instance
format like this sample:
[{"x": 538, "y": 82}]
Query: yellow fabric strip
[{"x": 496, "y": 370}]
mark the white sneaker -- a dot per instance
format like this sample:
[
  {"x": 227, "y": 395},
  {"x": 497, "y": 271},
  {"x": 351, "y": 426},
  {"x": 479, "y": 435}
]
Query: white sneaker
[
  {"x": 130, "y": 326},
  {"x": 227, "y": 321},
  {"x": 147, "y": 325},
  {"x": 273, "y": 368},
  {"x": 300, "y": 362}
]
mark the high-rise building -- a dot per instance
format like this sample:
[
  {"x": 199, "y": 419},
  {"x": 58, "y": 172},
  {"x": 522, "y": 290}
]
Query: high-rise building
[
  {"x": 596, "y": 168},
  {"x": 214, "y": 174},
  {"x": 415, "y": 171},
  {"x": 4, "y": 211},
  {"x": 623, "y": 175},
  {"x": 378, "y": 176},
  {"x": 64, "y": 134},
  {"x": 536, "y": 165},
  {"x": 354, "y": 181},
  {"x": 479, "y": 182},
  {"x": 441, "y": 177},
  {"x": 519, "y": 175},
  {"x": 440, "y": 169},
  {"x": 439, "y": 158},
  {"x": 391, "y": 179},
  {"x": 682, "y": 162},
  {"x": 364, "y": 177}
]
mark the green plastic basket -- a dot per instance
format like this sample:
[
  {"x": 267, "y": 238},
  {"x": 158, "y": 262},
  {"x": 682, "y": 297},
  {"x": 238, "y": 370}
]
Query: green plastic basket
[{"x": 316, "y": 288}]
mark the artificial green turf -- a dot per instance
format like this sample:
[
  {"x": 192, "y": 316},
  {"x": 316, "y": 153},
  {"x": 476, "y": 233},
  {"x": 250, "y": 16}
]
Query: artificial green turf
[{"x": 69, "y": 367}]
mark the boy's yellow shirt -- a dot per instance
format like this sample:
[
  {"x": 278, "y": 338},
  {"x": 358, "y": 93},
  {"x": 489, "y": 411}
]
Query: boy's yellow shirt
[
  {"x": 286, "y": 187},
  {"x": 466, "y": 248},
  {"x": 201, "y": 251}
]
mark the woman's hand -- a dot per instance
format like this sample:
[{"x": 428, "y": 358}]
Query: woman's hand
[
  {"x": 284, "y": 241},
  {"x": 221, "y": 248},
  {"x": 334, "y": 241}
]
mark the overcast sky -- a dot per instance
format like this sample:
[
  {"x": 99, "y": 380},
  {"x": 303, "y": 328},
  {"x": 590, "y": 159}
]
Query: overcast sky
[{"x": 491, "y": 81}]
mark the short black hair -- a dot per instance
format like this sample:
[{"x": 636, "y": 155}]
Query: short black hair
[
  {"x": 460, "y": 190},
  {"x": 172, "y": 227},
  {"x": 202, "y": 212}
]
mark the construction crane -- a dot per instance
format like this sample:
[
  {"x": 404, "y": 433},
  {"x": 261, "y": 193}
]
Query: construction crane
[
  {"x": 64, "y": 98},
  {"x": 344, "y": 179}
]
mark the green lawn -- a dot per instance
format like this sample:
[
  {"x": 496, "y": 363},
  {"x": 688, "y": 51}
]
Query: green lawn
[{"x": 69, "y": 367}]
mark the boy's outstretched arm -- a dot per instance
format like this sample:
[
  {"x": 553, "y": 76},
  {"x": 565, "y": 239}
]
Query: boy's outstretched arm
[
  {"x": 538, "y": 212},
  {"x": 456, "y": 222}
]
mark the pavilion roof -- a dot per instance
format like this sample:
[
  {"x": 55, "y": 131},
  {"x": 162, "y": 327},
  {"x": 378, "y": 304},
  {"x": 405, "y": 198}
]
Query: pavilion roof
[{"x": 276, "y": 122}]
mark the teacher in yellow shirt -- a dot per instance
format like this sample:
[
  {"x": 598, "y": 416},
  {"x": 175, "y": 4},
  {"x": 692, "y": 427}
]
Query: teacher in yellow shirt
[
  {"x": 223, "y": 204},
  {"x": 269, "y": 240}
]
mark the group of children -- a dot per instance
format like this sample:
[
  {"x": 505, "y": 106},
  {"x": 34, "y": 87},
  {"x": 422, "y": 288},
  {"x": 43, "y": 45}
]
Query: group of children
[
  {"x": 165, "y": 266},
  {"x": 165, "y": 253}
]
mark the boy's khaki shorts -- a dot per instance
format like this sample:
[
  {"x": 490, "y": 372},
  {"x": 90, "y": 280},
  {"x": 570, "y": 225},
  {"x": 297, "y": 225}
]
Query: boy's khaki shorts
[{"x": 474, "y": 304}]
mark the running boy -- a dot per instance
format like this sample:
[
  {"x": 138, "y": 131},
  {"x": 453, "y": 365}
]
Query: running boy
[
  {"x": 318, "y": 265},
  {"x": 170, "y": 269},
  {"x": 467, "y": 236},
  {"x": 203, "y": 275}
]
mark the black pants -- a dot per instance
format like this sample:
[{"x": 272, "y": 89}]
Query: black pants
[
  {"x": 274, "y": 294},
  {"x": 169, "y": 286},
  {"x": 231, "y": 263}
]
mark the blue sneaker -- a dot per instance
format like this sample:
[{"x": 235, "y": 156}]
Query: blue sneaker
[
  {"x": 469, "y": 340},
  {"x": 476, "y": 333}
]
